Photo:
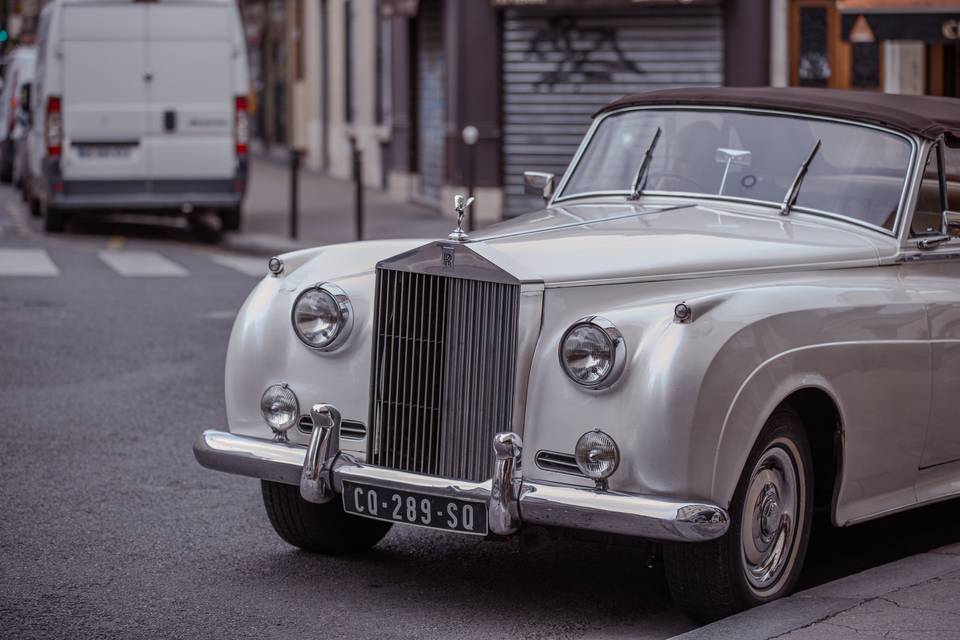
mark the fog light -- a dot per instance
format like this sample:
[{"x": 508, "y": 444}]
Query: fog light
[
  {"x": 597, "y": 456},
  {"x": 280, "y": 409}
]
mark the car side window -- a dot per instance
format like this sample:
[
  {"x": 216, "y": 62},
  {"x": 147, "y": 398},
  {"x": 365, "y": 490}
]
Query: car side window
[
  {"x": 952, "y": 165},
  {"x": 928, "y": 215}
]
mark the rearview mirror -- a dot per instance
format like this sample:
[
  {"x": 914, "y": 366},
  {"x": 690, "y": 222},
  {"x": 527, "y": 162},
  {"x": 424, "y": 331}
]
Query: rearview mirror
[
  {"x": 538, "y": 183},
  {"x": 740, "y": 157}
]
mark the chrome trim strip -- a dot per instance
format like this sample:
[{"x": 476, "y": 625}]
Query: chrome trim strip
[
  {"x": 560, "y": 197},
  {"x": 252, "y": 457},
  {"x": 621, "y": 513},
  {"x": 538, "y": 502}
]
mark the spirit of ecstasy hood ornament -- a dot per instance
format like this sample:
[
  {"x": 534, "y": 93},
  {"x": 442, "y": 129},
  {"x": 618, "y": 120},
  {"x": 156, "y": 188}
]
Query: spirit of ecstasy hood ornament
[{"x": 460, "y": 205}]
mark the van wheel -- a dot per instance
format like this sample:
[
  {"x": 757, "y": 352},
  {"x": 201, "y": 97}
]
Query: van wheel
[
  {"x": 54, "y": 219},
  {"x": 230, "y": 219},
  {"x": 318, "y": 528},
  {"x": 6, "y": 168},
  {"x": 760, "y": 557}
]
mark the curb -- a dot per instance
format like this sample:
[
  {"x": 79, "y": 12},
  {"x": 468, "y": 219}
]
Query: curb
[{"x": 819, "y": 604}]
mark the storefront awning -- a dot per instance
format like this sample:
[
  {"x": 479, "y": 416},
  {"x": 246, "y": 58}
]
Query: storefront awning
[{"x": 925, "y": 20}]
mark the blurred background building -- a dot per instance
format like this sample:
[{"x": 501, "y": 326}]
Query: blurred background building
[{"x": 401, "y": 79}]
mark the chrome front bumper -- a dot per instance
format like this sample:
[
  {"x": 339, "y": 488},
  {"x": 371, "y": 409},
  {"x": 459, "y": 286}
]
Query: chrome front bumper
[{"x": 321, "y": 468}]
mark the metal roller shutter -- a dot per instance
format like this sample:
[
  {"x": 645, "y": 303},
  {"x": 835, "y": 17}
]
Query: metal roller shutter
[
  {"x": 559, "y": 68},
  {"x": 431, "y": 107}
]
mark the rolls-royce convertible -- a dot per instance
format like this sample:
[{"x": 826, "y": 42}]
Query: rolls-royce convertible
[{"x": 739, "y": 307}]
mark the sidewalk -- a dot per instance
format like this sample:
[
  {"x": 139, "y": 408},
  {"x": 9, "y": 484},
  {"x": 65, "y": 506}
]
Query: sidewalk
[
  {"x": 326, "y": 212},
  {"x": 916, "y": 598}
]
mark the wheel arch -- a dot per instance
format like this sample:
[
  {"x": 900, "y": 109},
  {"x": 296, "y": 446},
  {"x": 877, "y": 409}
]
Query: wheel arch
[{"x": 813, "y": 397}]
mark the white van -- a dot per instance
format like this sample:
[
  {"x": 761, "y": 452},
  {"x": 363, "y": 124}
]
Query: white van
[
  {"x": 139, "y": 106},
  {"x": 18, "y": 71}
]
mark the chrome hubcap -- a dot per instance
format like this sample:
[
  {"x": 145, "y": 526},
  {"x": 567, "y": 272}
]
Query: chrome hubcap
[{"x": 769, "y": 518}]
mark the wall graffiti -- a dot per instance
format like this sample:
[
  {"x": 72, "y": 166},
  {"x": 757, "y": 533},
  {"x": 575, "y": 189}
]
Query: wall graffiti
[{"x": 585, "y": 53}]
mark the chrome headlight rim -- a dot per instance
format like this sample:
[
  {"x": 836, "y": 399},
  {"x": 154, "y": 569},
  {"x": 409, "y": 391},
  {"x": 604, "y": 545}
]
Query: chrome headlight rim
[
  {"x": 344, "y": 326},
  {"x": 616, "y": 343}
]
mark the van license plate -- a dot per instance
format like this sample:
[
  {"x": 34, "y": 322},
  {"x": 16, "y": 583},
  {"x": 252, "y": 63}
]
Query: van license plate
[
  {"x": 407, "y": 507},
  {"x": 103, "y": 150}
]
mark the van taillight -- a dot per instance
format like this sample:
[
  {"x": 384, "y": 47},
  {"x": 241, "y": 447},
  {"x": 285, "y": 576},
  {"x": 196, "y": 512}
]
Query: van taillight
[
  {"x": 53, "y": 127},
  {"x": 241, "y": 125}
]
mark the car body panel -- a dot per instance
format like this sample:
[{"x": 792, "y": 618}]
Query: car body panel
[{"x": 780, "y": 304}]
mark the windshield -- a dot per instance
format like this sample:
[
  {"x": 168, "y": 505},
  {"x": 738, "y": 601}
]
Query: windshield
[{"x": 858, "y": 172}]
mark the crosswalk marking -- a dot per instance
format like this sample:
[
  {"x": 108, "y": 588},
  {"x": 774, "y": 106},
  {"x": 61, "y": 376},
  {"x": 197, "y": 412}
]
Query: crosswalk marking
[
  {"x": 141, "y": 264},
  {"x": 243, "y": 264},
  {"x": 26, "y": 262}
]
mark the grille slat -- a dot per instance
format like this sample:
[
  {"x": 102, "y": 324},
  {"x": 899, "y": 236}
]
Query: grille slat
[{"x": 443, "y": 370}]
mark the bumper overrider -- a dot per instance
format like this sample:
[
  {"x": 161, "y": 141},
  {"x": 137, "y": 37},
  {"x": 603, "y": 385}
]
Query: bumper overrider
[{"x": 321, "y": 469}]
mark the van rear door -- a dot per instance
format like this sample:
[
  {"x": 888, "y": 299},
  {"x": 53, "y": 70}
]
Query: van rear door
[
  {"x": 104, "y": 91},
  {"x": 191, "y": 55}
]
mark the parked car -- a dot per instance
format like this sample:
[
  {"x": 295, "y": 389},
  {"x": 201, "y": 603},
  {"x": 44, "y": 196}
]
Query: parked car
[
  {"x": 738, "y": 307},
  {"x": 17, "y": 73},
  {"x": 140, "y": 106}
]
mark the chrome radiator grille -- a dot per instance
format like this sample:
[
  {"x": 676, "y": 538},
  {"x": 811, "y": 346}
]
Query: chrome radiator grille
[{"x": 444, "y": 359}]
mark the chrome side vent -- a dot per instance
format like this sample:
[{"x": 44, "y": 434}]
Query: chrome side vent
[
  {"x": 348, "y": 428},
  {"x": 558, "y": 462},
  {"x": 353, "y": 430}
]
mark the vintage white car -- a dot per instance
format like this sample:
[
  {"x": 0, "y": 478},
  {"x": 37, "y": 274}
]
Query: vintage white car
[{"x": 739, "y": 306}]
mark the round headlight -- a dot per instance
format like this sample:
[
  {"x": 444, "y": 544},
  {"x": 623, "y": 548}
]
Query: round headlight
[
  {"x": 279, "y": 408},
  {"x": 593, "y": 353},
  {"x": 597, "y": 455},
  {"x": 322, "y": 317}
]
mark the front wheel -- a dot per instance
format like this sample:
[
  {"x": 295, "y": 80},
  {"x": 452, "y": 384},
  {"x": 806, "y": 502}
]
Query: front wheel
[
  {"x": 319, "y": 528},
  {"x": 760, "y": 557}
]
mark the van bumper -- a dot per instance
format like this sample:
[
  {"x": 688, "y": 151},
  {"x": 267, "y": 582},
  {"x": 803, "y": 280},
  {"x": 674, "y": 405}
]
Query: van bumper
[{"x": 154, "y": 196}]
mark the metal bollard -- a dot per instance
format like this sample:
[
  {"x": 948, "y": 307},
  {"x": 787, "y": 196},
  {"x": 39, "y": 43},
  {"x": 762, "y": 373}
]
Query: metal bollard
[
  {"x": 294, "y": 191},
  {"x": 357, "y": 157}
]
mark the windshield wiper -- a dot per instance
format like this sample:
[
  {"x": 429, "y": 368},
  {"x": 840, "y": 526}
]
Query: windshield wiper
[
  {"x": 791, "y": 198},
  {"x": 640, "y": 180}
]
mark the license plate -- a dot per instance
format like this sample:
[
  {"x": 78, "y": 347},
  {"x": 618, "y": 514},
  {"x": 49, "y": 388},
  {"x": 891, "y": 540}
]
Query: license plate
[
  {"x": 393, "y": 505},
  {"x": 104, "y": 150}
]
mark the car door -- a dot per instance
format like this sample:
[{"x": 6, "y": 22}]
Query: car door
[
  {"x": 934, "y": 270},
  {"x": 190, "y": 52},
  {"x": 104, "y": 91}
]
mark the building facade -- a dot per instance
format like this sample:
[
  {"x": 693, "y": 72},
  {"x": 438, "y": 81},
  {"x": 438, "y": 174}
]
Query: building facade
[
  {"x": 897, "y": 46},
  {"x": 529, "y": 76}
]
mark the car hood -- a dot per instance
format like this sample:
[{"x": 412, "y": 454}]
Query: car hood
[{"x": 629, "y": 242}]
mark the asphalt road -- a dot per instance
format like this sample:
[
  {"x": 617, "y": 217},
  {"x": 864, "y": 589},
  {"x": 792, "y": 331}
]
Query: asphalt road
[{"x": 111, "y": 362}]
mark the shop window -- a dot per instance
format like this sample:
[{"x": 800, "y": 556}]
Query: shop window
[
  {"x": 813, "y": 55},
  {"x": 819, "y": 57},
  {"x": 865, "y": 71}
]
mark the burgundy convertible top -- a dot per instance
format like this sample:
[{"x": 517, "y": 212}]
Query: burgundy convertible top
[{"x": 926, "y": 116}]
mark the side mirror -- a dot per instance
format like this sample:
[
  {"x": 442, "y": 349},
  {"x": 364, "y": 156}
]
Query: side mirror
[
  {"x": 26, "y": 96},
  {"x": 538, "y": 183}
]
